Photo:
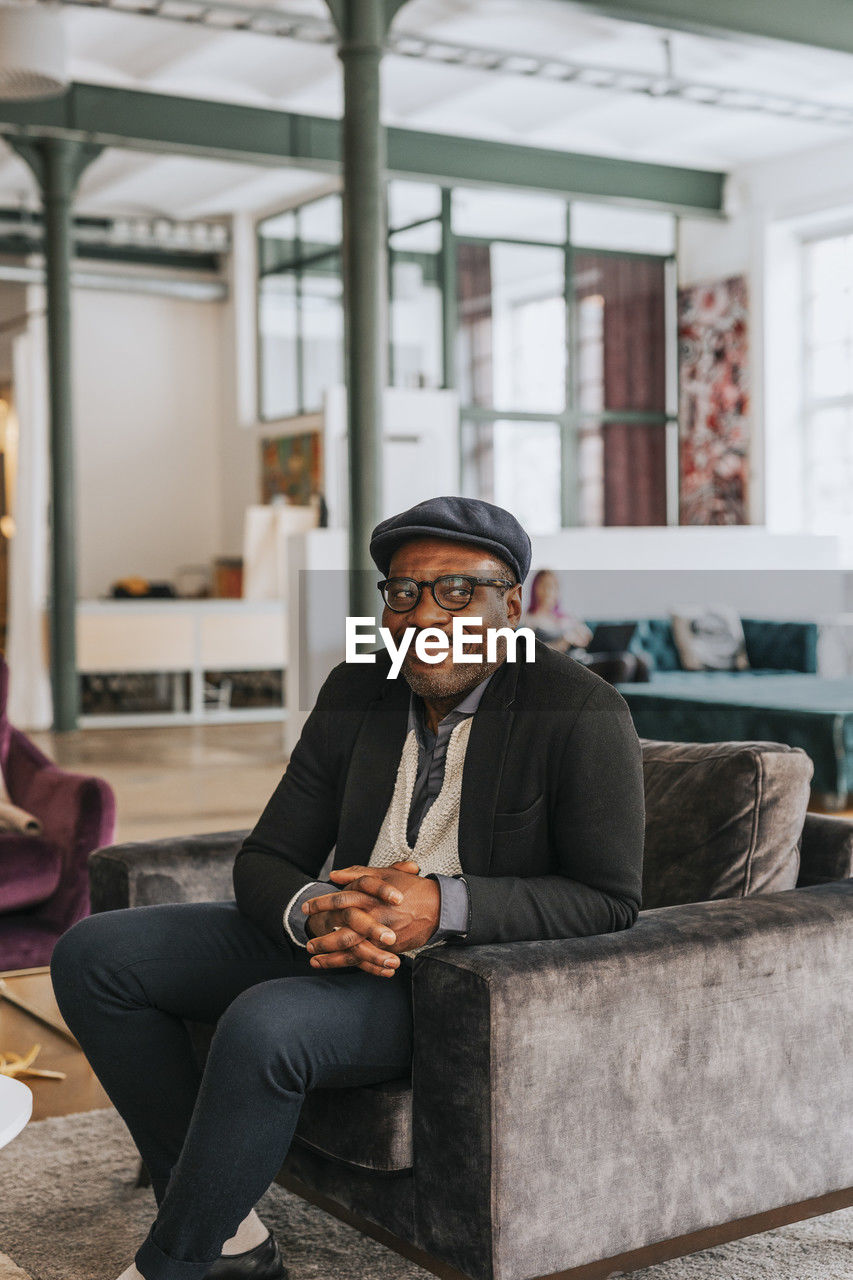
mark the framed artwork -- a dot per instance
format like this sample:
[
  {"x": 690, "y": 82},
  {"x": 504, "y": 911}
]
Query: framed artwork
[
  {"x": 714, "y": 408},
  {"x": 292, "y": 467}
]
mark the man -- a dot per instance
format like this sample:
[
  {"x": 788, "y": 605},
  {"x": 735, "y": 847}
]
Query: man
[{"x": 467, "y": 803}]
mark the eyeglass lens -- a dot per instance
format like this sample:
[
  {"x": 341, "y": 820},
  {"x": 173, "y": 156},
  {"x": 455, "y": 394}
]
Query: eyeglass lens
[{"x": 450, "y": 591}]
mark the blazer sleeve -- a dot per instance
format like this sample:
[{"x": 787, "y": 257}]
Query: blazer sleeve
[
  {"x": 598, "y": 830},
  {"x": 297, "y": 829}
]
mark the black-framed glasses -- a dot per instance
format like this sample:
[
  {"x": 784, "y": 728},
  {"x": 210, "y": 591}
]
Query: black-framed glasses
[{"x": 450, "y": 591}]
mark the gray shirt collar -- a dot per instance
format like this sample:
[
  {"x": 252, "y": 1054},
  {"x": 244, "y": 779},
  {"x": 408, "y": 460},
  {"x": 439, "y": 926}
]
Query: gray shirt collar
[{"x": 466, "y": 707}]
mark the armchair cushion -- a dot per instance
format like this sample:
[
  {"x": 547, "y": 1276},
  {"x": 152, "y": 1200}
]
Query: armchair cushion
[
  {"x": 723, "y": 820},
  {"x": 369, "y": 1127},
  {"x": 30, "y": 869}
]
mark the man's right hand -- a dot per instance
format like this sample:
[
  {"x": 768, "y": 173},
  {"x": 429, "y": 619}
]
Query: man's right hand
[{"x": 363, "y": 932}]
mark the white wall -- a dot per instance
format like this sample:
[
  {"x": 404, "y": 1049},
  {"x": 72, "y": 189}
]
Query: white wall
[
  {"x": 710, "y": 250},
  {"x": 148, "y": 403},
  {"x": 168, "y": 439}
]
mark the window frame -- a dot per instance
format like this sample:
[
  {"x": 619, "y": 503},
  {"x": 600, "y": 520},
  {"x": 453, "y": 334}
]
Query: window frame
[
  {"x": 572, "y": 419},
  {"x": 811, "y": 405}
]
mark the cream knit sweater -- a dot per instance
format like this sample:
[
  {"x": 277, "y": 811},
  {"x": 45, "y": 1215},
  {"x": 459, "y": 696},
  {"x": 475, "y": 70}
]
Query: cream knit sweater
[{"x": 436, "y": 849}]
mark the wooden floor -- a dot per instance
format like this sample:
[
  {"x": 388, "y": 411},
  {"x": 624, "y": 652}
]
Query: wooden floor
[
  {"x": 167, "y": 782},
  {"x": 80, "y": 1090},
  {"x": 175, "y": 781}
]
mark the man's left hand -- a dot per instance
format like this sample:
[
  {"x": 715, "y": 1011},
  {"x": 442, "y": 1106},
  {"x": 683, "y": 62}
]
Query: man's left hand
[{"x": 414, "y": 919}]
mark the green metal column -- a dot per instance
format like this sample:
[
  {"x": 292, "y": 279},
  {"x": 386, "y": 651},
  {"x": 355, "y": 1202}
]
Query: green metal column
[
  {"x": 449, "y": 301},
  {"x": 363, "y": 26},
  {"x": 58, "y": 164}
]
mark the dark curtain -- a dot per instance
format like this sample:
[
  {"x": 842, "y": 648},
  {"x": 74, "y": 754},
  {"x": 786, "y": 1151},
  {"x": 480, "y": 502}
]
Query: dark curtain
[
  {"x": 474, "y": 359},
  {"x": 474, "y": 292}
]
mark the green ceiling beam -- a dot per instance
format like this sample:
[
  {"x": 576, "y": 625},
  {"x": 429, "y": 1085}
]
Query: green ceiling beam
[
  {"x": 160, "y": 123},
  {"x": 470, "y": 160},
  {"x": 821, "y": 24}
]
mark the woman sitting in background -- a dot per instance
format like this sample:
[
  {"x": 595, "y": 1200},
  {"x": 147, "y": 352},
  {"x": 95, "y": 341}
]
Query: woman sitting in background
[
  {"x": 549, "y": 623},
  {"x": 569, "y": 634}
]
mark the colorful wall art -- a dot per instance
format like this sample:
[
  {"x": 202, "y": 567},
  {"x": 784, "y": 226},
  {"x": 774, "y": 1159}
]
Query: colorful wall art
[
  {"x": 291, "y": 466},
  {"x": 714, "y": 403}
]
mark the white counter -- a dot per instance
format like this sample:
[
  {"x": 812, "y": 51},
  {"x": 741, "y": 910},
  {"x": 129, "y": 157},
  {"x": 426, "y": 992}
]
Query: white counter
[{"x": 175, "y": 636}]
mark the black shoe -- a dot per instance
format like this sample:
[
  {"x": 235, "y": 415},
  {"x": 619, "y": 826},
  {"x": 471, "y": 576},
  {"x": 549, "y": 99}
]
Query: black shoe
[{"x": 261, "y": 1263}]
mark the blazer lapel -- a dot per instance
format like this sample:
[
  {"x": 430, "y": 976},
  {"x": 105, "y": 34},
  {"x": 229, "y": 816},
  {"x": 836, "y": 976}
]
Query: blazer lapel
[
  {"x": 372, "y": 773},
  {"x": 481, "y": 775},
  {"x": 376, "y": 757}
]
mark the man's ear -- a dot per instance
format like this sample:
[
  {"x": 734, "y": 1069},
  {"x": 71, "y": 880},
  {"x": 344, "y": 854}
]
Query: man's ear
[{"x": 513, "y": 603}]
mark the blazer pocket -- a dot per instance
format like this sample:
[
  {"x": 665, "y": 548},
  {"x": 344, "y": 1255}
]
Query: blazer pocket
[{"x": 521, "y": 818}]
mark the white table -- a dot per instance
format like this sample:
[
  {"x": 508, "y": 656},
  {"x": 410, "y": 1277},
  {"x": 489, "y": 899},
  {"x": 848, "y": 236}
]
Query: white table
[{"x": 16, "y": 1107}]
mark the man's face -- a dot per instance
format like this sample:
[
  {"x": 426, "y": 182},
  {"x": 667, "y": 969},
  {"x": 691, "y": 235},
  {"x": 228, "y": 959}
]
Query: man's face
[{"x": 429, "y": 558}]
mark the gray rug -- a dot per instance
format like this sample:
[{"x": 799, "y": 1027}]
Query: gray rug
[{"x": 70, "y": 1211}]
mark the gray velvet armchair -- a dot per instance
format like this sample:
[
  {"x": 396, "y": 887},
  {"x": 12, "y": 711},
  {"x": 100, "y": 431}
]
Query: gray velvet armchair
[{"x": 597, "y": 1104}]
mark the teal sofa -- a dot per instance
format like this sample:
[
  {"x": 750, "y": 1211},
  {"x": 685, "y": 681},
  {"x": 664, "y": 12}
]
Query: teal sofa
[
  {"x": 779, "y": 698},
  {"x": 771, "y": 646},
  {"x": 797, "y": 709}
]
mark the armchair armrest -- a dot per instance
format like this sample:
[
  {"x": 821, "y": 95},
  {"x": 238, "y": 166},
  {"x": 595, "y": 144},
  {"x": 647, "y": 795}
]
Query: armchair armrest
[
  {"x": 23, "y": 762},
  {"x": 826, "y": 849},
  {"x": 575, "y": 1099},
  {"x": 77, "y": 811},
  {"x": 196, "y": 868}
]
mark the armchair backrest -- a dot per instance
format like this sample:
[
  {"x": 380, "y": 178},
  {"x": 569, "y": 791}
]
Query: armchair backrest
[{"x": 723, "y": 819}]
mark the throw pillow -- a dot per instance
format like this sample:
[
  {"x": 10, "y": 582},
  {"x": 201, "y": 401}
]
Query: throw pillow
[
  {"x": 709, "y": 638},
  {"x": 723, "y": 819}
]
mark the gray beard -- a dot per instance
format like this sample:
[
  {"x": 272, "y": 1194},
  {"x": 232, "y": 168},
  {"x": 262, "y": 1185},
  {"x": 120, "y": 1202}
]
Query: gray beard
[{"x": 450, "y": 681}]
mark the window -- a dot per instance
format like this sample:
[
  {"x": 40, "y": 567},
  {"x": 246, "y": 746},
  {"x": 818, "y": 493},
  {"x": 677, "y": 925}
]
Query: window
[
  {"x": 300, "y": 308},
  {"x": 416, "y": 357},
  {"x": 828, "y": 387},
  {"x": 553, "y": 319},
  {"x": 516, "y": 465},
  {"x": 512, "y": 326},
  {"x": 564, "y": 353},
  {"x": 621, "y": 388}
]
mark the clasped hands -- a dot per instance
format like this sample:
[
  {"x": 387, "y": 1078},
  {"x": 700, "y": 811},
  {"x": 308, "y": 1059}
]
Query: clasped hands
[{"x": 381, "y": 912}]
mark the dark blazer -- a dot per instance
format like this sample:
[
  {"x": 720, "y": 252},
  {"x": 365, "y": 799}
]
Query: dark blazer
[{"x": 551, "y": 816}]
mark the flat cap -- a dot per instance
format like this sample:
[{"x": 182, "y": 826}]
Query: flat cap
[{"x": 460, "y": 520}]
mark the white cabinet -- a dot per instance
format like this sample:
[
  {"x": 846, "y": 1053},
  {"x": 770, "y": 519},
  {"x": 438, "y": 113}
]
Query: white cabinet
[{"x": 181, "y": 642}]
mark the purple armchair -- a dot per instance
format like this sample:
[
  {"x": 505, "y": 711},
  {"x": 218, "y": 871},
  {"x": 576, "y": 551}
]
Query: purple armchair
[{"x": 44, "y": 879}]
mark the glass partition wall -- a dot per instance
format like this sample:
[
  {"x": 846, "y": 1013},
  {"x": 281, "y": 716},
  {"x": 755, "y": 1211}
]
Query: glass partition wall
[{"x": 553, "y": 319}]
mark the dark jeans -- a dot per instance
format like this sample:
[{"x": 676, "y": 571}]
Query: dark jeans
[{"x": 213, "y": 1141}]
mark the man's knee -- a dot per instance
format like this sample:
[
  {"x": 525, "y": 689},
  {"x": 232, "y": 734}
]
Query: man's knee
[
  {"x": 82, "y": 948},
  {"x": 92, "y": 946}
]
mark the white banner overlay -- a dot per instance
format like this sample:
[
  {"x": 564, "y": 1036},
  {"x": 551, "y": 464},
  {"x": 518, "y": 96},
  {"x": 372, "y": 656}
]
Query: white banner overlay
[{"x": 432, "y": 645}]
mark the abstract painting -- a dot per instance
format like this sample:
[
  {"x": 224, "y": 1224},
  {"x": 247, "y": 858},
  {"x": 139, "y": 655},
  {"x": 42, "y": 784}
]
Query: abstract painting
[
  {"x": 291, "y": 466},
  {"x": 714, "y": 403}
]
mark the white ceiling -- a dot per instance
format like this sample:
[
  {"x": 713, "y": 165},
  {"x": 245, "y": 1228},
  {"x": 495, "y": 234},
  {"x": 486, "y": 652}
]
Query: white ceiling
[{"x": 121, "y": 49}]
